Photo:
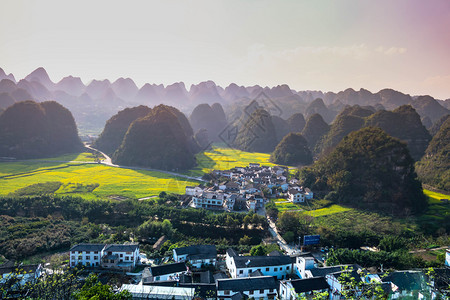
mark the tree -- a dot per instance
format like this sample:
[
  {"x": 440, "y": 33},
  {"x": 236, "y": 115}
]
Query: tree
[
  {"x": 95, "y": 290},
  {"x": 258, "y": 250}
]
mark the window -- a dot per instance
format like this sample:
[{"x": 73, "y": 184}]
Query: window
[
  {"x": 275, "y": 269},
  {"x": 157, "y": 278},
  {"x": 72, "y": 258},
  {"x": 241, "y": 271},
  {"x": 261, "y": 291},
  {"x": 227, "y": 292},
  {"x": 121, "y": 254},
  {"x": 95, "y": 257},
  {"x": 88, "y": 257},
  {"x": 251, "y": 292},
  {"x": 128, "y": 253},
  {"x": 73, "y": 264},
  {"x": 287, "y": 268},
  {"x": 249, "y": 270},
  {"x": 95, "y": 252},
  {"x": 87, "y": 252},
  {"x": 281, "y": 268},
  {"x": 267, "y": 269},
  {"x": 73, "y": 252}
]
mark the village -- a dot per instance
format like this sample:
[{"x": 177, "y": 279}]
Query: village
[
  {"x": 246, "y": 188},
  {"x": 199, "y": 272}
]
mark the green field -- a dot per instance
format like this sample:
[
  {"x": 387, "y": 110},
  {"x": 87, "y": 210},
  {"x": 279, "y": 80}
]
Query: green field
[
  {"x": 333, "y": 209},
  {"x": 325, "y": 207},
  {"x": 438, "y": 212},
  {"x": 221, "y": 158},
  {"x": 79, "y": 179},
  {"x": 76, "y": 177},
  {"x": 284, "y": 205}
]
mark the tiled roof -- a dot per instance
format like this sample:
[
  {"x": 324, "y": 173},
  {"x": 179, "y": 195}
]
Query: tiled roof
[
  {"x": 87, "y": 247},
  {"x": 247, "y": 283},
  {"x": 121, "y": 248},
  {"x": 309, "y": 284},
  {"x": 197, "y": 251},
  {"x": 261, "y": 261},
  {"x": 167, "y": 269}
]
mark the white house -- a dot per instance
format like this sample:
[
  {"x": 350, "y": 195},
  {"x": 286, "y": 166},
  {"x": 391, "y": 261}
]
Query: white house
[
  {"x": 241, "y": 266},
  {"x": 196, "y": 255},
  {"x": 120, "y": 256},
  {"x": 293, "y": 289},
  {"x": 169, "y": 272},
  {"x": 114, "y": 256},
  {"x": 88, "y": 255},
  {"x": 210, "y": 200},
  {"x": 296, "y": 196},
  {"x": 303, "y": 263},
  {"x": 262, "y": 287},
  {"x": 192, "y": 190}
]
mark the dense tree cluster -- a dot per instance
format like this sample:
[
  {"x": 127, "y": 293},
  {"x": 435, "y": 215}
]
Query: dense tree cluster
[
  {"x": 33, "y": 130},
  {"x": 368, "y": 169},
  {"x": 434, "y": 168},
  {"x": 158, "y": 141},
  {"x": 292, "y": 151}
]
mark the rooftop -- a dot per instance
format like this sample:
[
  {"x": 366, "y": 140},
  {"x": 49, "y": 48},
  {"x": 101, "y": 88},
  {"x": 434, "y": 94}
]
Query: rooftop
[
  {"x": 247, "y": 284},
  {"x": 167, "y": 269},
  {"x": 87, "y": 247},
  {"x": 122, "y": 248},
  {"x": 309, "y": 284},
  {"x": 197, "y": 251},
  {"x": 261, "y": 261}
]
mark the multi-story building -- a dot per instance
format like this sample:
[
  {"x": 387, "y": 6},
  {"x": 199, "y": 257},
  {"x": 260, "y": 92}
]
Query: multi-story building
[
  {"x": 88, "y": 255},
  {"x": 241, "y": 266},
  {"x": 196, "y": 255},
  {"x": 124, "y": 256}
]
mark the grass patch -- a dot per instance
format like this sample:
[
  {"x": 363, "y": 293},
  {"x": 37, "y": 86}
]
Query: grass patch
[
  {"x": 333, "y": 209},
  {"x": 222, "y": 158},
  {"x": 38, "y": 189},
  {"x": 437, "y": 214},
  {"x": 284, "y": 205}
]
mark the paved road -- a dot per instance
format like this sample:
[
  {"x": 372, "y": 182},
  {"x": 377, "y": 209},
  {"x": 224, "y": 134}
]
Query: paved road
[{"x": 280, "y": 241}]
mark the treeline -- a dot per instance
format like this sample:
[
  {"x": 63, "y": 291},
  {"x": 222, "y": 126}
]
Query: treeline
[
  {"x": 399, "y": 260},
  {"x": 124, "y": 213},
  {"x": 32, "y": 225}
]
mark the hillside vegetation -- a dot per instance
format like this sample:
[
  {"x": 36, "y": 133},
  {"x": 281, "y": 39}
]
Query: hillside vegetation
[
  {"x": 32, "y": 130},
  {"x": 434, "y": 168},
  {"x": 292, "y": 151},
  {"x": 368, "y": 169}
]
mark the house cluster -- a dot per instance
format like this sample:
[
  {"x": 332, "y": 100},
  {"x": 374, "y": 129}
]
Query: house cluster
[
  {"x": 246, "y": 188},
  {"x": 197, "y": 272}
]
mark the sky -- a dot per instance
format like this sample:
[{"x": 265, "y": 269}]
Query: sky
[{"x": 308, "y": 44}]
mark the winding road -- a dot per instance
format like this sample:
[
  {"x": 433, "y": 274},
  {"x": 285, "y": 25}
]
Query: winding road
[{"x": 108, "y": 162}]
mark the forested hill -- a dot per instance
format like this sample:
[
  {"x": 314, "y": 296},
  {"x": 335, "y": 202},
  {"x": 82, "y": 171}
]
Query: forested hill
[
  {"x": 33, "y": 130},
  {"x": 157, "y": 140},
  {"x": 368, "y": 169},
  {"x": 434, "y": 168}
]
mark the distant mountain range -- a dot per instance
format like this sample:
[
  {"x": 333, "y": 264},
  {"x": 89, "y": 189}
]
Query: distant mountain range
[{"x": 93, "y": 104}]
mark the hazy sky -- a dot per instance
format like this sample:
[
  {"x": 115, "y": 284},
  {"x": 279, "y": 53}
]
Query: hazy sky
[{"x": 310, "y": 45}]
